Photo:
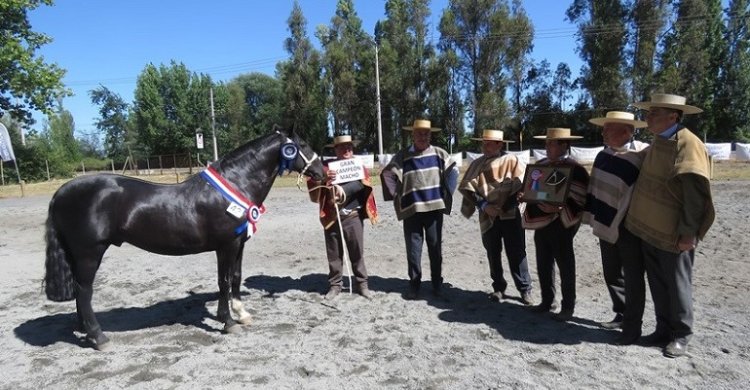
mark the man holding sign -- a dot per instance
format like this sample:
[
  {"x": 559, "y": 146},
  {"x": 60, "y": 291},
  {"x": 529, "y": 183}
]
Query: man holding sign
[{"x": 349, "y": 192}]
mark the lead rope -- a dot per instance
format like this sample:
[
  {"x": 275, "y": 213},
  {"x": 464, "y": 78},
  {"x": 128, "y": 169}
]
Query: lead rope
[{"x": 341, "y": 233}]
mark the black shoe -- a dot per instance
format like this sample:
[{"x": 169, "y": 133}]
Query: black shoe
[
  {"x": 437, "y": 291},
  {"x": 616, "y": 322},
  {"x": 412, "y": 294},
  {"x": 496, "y": 296},
  {"x": 655, "y": 340},
  {"x": 676, "y": 348},
  {"x": 627, "y": 338},
  {"x": 541, "y": 308}
]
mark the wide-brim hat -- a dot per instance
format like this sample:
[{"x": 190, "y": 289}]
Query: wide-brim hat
[
  {"x": 343, "y": 139},
  {"x": 560, "y": 133},
  {"x": 421, "y": 124},
  {"x": 619, "y": 117},
  {"x": 492, "y": 135},
  {"x": 666, "y": 100}
]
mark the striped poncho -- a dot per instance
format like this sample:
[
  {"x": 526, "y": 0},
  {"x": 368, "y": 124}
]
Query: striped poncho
[
  {"x": 610, "y": 187},
  {"x": 413, "y": 181},
  {"x": 491, "y": 179}
]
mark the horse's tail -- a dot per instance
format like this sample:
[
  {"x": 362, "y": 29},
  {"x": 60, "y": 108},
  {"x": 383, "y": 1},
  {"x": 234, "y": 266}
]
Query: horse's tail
[{"x": 58, "y": 278}]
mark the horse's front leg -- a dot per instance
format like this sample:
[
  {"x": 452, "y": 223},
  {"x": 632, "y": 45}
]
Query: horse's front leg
[
  {"x": 225, "y": 259},
  {"x": 238, "y": 308}
]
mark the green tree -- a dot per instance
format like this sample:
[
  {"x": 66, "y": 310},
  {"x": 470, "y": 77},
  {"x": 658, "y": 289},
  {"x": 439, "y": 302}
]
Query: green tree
[
  {"x": 349, "y": 71},
  {"x": 602, "y": 36},
  {"x": 262, "y": 97},
  {"x": 170, "y": 104},
  {"x": 113, "y": 121},
  {"x": 302, "y": 83},
  {"x": 412, "y": 79},
  {"x": 27, "y": 83},
  {"x": 484, "y": 35},
  {"x": 733, "y": 98},
  {"x": 690, "y": 72},
  {"x": 648, "y": 19}
]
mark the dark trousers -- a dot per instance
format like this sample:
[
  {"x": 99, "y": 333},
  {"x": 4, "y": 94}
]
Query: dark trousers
[
  {"x": 511, "y": 233},
  {"x": 554, "y": 245},
  {"x": 624, "y": 270},
  {"x": 353, "y": 228},
  {"x": 424, "y": 227},
  {"x": 670, "y": 278}
]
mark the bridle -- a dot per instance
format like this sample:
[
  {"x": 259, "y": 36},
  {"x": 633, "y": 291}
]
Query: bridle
[{"x": 308, "y": 160}]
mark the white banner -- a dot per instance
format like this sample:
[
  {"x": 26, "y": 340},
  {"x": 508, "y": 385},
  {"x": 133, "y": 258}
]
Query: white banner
[
  {"x": 368, "y": 160},
  {"x": 539, "y": 154},
  {"x": 585, "y": 155},
  {"x": 472, "y": 156},
  {"x": 6, "y": 147},
  {"x": 458, "y": 158},
  {"x": 722, "y": 151},
  {"x": 523, "y": 155},
  {"x": 742, "y": 153}
]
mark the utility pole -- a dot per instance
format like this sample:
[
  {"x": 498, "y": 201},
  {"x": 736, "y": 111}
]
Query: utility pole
[
  {"x": 377, "y": 93},
  {"x": 213, "y": 125}
]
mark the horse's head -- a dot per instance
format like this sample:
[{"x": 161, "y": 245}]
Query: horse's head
[{"x": 306, "y": 162}]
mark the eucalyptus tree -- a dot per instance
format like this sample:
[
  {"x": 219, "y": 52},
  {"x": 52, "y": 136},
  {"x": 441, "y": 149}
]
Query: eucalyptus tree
[
  {"x": 170, "y": 103},
  {"x": 349, "y": 65},
  {"x": 484, "y": 36},
  {"x": 27, "y": 82},
  {"x": 733, "y": 98},
  {"x": 407, "y": 63},
  {"x": 602, "y": 40},
  {"x": 302, "y": 83},
  {"x": 112, "y": 122},
  {"x": 693, "y": 50},
  {"x": 647, "y": 22}
]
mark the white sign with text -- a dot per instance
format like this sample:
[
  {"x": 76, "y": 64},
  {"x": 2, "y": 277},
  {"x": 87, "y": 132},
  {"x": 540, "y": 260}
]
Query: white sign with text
[{"x": 347, "y": 170}]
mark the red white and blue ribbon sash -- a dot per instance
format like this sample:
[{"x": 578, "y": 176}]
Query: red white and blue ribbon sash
[{"x": 250, "y": 210}]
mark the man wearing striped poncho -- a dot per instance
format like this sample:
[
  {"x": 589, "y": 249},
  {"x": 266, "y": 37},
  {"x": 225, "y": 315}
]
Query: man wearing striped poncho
[
  {"x": 613, "y": 176},
  {"x": 420, "y": 181}
]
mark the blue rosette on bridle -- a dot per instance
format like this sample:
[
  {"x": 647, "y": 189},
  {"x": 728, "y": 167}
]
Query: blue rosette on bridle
[{"x": 288, "y": 153}]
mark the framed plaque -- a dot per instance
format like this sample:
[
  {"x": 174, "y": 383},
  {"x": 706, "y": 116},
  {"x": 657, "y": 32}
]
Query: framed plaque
[{"x": 546, "y": 183}]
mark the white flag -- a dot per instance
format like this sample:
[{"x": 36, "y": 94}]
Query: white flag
[{"x": 6, "y": 148}]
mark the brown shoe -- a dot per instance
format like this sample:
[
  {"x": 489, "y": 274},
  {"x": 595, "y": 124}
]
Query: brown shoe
[{"x": 333, "y": 292}]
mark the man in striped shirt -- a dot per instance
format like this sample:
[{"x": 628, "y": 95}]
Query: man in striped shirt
[
  {"x": 611, "y": 184},
  {"x": 420, "y": 181}
]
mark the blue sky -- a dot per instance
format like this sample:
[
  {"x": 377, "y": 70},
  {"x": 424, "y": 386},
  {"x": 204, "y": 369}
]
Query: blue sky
[{"x": 109, "y": 42}]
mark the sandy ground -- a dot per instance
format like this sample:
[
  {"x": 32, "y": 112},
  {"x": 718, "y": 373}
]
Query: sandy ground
[{"x": 160, "y": 314}]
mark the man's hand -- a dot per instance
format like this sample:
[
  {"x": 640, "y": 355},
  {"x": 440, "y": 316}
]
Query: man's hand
[
  {"x": 686, "y": 243},
  {"x": 331, "y": 175}
]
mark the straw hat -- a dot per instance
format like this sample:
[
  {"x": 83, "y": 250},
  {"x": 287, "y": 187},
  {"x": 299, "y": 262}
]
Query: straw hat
[
  {"x": 558, "y": 133},
  {"x": 619, "y": 117},
  {"x": 666, "y": 100},
  {"x": 492, "y": 135},
  {"x": 421, "y": 124},
  {"x": 342, "y": 139}
]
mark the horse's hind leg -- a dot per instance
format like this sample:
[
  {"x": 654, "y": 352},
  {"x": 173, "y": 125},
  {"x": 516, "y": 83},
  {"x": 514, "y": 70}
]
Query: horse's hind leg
[
  {"x": 225, "y": 258},
  {"x": 238, "y": 308},
  {"x": 85, "y": 271}
]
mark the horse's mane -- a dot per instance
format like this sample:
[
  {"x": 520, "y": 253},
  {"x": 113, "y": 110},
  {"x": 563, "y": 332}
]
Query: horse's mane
[{"x": 251, "y": 148}]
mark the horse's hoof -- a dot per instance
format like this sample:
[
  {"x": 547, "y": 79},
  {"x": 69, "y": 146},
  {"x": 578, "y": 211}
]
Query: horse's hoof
[
  {"x": 232, "y": 328},
  {"x": 246, "y": 320}
]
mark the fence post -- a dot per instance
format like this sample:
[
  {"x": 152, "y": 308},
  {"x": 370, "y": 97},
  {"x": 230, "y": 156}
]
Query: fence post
[
  {"x": 112, "y": 162},
  {"x": 83, "y": 167},
  {"x": 2, "y": 174},
  {"x": 161, "y": 167},
  {"x": 148, "y": 167},
  {"x": 46, "y": 164}
]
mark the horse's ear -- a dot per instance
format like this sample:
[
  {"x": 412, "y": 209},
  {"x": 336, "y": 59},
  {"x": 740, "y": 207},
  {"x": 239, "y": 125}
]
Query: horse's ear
[{"x": 286, "y": 132}]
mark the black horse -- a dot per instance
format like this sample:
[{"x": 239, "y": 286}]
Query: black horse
[{"x": 88, "y": 214}]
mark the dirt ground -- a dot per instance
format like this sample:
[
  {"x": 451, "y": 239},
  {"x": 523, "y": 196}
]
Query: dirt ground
[{"x": 160, "y": 311}]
